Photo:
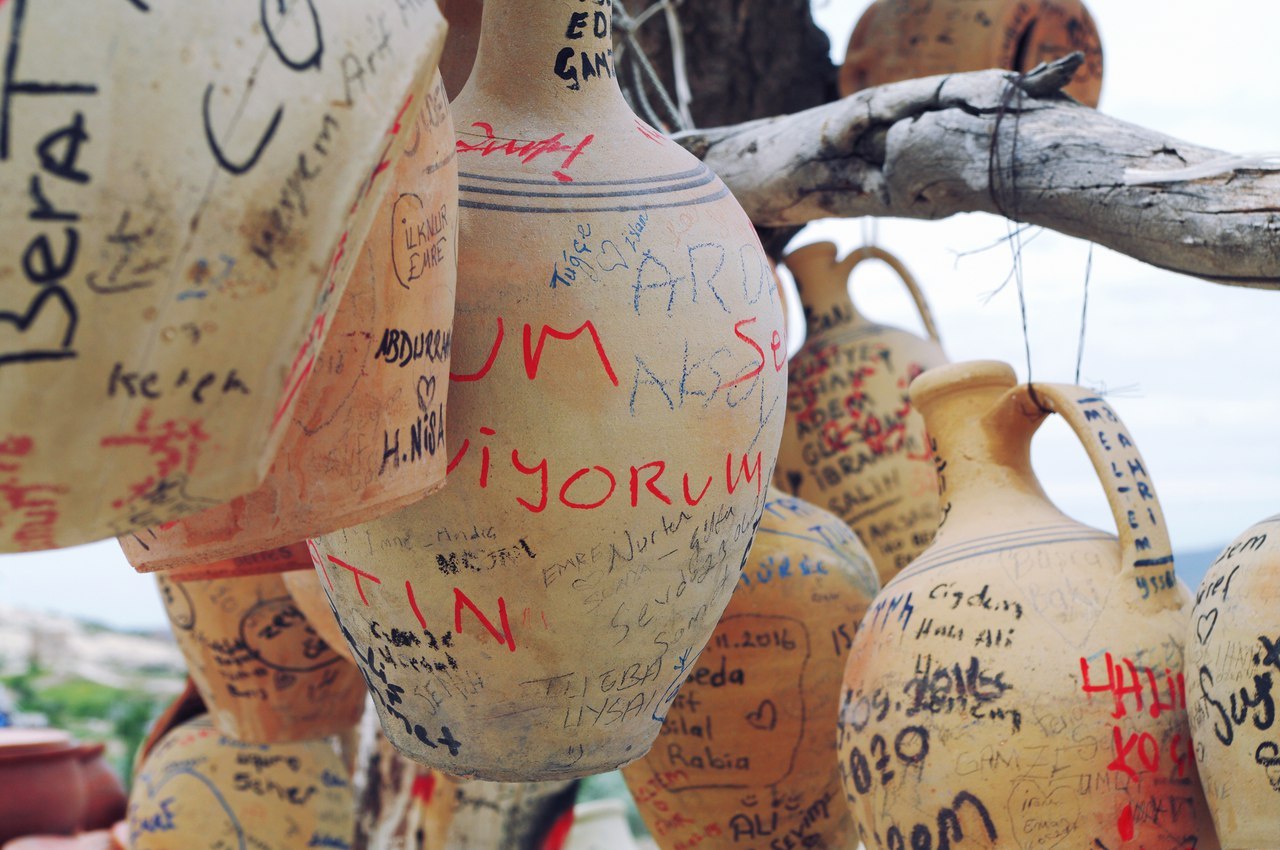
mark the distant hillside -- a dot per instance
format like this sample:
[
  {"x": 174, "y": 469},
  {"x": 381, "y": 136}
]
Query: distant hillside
[{"x": 64, "y": 646}]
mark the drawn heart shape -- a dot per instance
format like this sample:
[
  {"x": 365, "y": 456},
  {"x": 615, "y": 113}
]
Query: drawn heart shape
[
  {"x": 1042, "y": 821},
  {"x": 1205, "y": 624},
  {"x": 764, "y": 718}
]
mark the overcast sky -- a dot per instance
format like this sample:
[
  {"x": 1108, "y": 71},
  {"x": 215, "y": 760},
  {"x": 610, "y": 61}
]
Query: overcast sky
[{"x": 1190, "y": 366}]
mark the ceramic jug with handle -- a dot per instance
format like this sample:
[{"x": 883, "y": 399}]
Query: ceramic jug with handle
[
  {"x": 852, "y": 442},
  {"x": 1020, "y": 684}
]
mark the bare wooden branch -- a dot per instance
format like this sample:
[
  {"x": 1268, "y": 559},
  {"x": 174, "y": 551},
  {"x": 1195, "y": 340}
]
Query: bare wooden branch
[{"x": 928, "y": 149}]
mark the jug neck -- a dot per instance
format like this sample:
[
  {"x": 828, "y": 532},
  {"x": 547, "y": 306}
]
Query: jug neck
[
  {"x": 981, "y": 439},
  {"x": 545, "y": 59},
  {"x": 823, "y": 287}
]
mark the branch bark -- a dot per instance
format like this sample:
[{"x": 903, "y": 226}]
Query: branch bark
[{"x": 987, "y": 141}]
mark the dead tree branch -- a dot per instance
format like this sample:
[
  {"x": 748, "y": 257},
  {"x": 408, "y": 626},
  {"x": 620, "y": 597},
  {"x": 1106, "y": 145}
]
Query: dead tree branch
[{"x": 933, "y": 147}]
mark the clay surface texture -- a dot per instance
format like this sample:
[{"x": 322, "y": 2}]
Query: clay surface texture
[
  {"x": 1020, "y": 684},
  {"x": 747, "y": 754},
  {"x": 368, "y": 434}
]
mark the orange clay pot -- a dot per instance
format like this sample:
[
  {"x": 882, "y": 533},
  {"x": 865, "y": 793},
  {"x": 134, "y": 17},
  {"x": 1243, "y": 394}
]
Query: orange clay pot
[
  {"x": 852, "y": 442},
  {"x": 181, "y": 188},
  {"x": 1233, "y": 676},
  {"x": 618, "y": 391},
  {"x": 42, "y": 789},
  {"x": 262, "y": 670},
  {"x": 1018, "y": 685},
  {"x": 368, "y": 435},
  {"x": 902, "y": 39},
  {"x": 201, "y": 790},
  {"x": 747, "y": 751}
]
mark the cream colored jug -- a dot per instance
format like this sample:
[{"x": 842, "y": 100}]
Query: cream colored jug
[
  {"x": 202, "y": 790},
  {"x": 368, "y": 435},
  {"x": 617, "y": 395},
  {"x": 265, "y": 674},
  {"x": 1233, "y": 670},
  {"x": 181, "y": 185},
  {"x": 852, "y": 442},
  {"x": 746, "y": 755},
  {"x": 1020, "y": 684}
]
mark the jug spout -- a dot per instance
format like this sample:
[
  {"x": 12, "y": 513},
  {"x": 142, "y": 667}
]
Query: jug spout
[{"x": 980, "y": 434}]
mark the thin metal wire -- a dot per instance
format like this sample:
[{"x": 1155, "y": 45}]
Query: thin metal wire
[
  {"x": 1013, "y": 97},
  {"x": 677, "y": 108},
  {"x": 1084, "y": 312}
]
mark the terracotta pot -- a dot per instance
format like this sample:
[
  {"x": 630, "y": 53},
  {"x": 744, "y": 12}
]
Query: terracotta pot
[
  {"x": 1019, "y": 683},
  {"x": 368, "y": 435},
  {"x": 105, "y": 799},
  {"x": 903, "y": 39},
  {"x": 852, "y": 442},
  {"x": 743, "y": 753},
  {"x": 200, "y": 790},
  {"x": 1233, "y": 674},
  {"x": 308, "y": 595},
  {"x": 180, "y": 201},
  {"x": 42, "y": 790},
  {"x": 617, "y": 394},
  {"x": 265, "y": 674}
]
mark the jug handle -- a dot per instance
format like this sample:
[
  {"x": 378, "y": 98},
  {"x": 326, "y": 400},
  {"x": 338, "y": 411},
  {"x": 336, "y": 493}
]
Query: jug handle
[
  {"x": 1146, "y": 552},
  {"x": 872, "y": 252}
]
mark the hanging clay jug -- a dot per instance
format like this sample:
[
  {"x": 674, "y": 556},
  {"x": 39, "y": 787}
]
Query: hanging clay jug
[
  {"x": 368, "y": 435},
  {"x": 308, "y": 595},
  {"x": 1233, "y": 683},
  {"x": 852, "y": 442},
  {"x": 202, "y": 790},
  {"x": 618, "y": 389},
  {"x": 904, "y": 39},
  {"x": 181, "y": 186},
  {"x": 747, "y": 751},
  {"x": 265, "y": 674},
  {"x": 1020, "y": 684}
]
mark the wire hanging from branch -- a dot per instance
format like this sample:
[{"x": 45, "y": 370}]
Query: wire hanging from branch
[{"x": 679, "y": 117}]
